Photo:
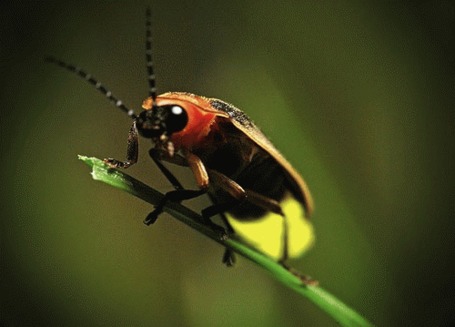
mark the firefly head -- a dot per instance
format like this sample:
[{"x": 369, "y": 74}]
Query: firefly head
[{"x": 160, "y": 122}]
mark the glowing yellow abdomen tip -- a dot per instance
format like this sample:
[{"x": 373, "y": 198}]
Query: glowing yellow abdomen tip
[{"x": 266, "y": 233}]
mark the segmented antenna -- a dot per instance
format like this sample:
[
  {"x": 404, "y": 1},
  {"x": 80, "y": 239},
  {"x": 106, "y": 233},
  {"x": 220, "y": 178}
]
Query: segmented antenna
[
  {"x": 148, "y": 54},
  {"x": 89, "y": 78}
]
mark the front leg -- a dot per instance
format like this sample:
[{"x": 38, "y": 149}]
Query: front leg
[
  {"x": 175, "y": 196},
  {"x": 132, "y": 151},
  {"x": 179, "y": 194},
  {"x": 198, "y": 168},
  {"x": 158, "y": 155}
]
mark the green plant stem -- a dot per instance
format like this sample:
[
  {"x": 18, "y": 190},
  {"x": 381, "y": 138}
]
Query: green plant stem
[{"x": 344, "y": 315}]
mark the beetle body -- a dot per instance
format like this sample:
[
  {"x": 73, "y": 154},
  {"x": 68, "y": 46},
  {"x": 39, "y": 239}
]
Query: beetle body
[{"x": 228, "y": 144}]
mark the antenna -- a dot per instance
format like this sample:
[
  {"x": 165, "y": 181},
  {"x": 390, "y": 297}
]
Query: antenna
[
  {"x": 89, "y": 78},
  {"x": 148, "y": 55}
]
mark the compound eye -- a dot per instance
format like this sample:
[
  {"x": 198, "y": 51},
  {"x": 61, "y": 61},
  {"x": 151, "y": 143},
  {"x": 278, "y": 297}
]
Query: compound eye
[{"x": 176, "y": 120}]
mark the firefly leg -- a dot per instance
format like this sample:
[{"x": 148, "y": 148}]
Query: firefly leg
[
  {"x": 228, "y": 257},
  {"x": 132, "y": 151},
  {"x": 157, "y": 156},
  {"x": 240, "y": 194},
  {"x": 285, "y": 255},
  {"x": 264, "y": 202},
  {"x": 198, "y": 169},
  {"x": 202, "y": 179},
  {"x": 218, "y": 209},
  {"x": 307, "y": 280},
  {"x": 180, "y": 193},
  {"x": 236, "y": 191},
  {"x": 176, "y": 196}
]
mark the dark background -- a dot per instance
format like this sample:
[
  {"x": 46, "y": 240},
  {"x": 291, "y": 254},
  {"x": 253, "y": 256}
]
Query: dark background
[{"x": 358, "y": 96}]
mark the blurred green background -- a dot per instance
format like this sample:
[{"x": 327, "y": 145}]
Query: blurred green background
[{"x": 358, "y": 95}]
